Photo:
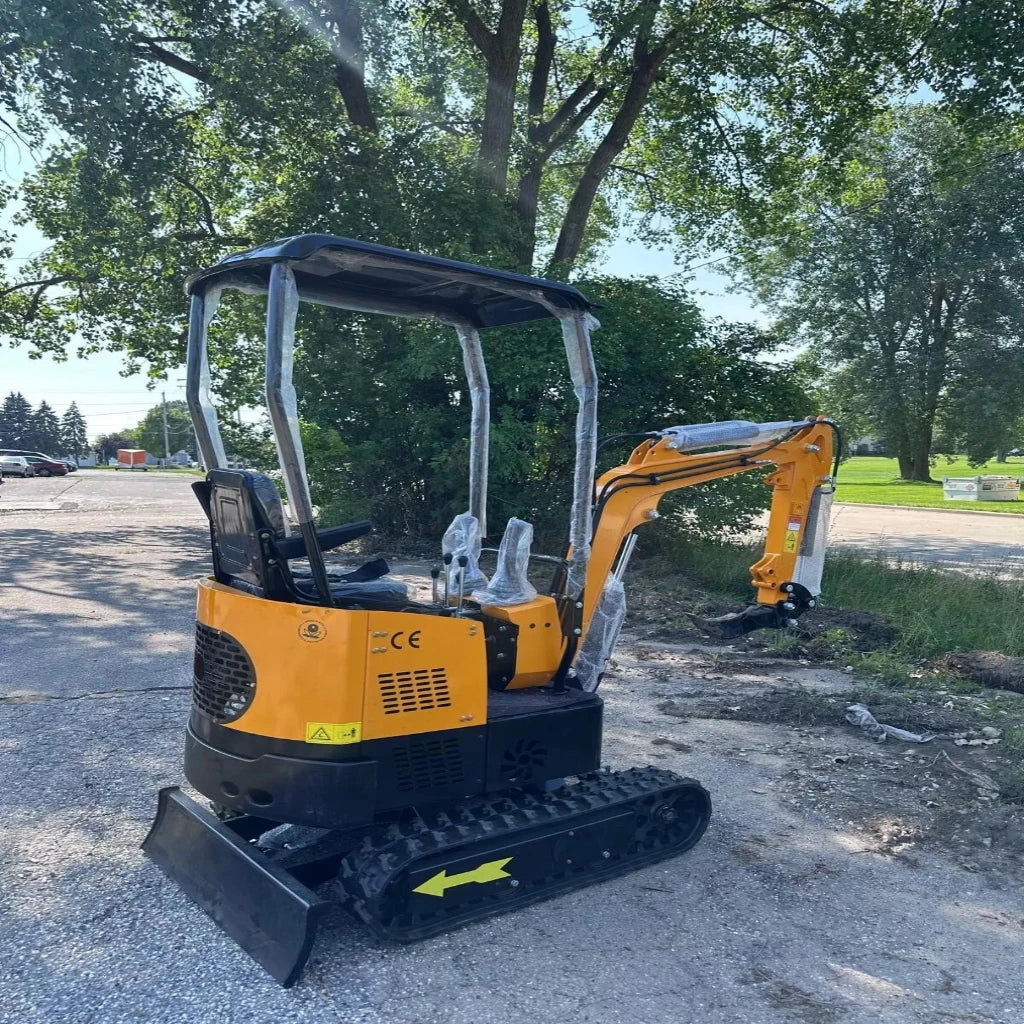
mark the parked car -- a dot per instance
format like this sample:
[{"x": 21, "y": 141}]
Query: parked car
[
  {"x": 1016, "y": 452},
  {"x": 72, "y": 466},
  {"x": 16, "y": 465},
  {"x": 45, "y": 466}
]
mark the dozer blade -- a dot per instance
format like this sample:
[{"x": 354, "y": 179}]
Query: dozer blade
[{"x": 270, "y": 914}]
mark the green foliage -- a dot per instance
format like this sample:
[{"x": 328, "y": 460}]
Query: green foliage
[
  {"x": 910, "y": 285},
  {"x": 173, "y": 132},
  {"x": 45, "y": 427},
  {"x": 74, "y": 435},
  {"x": 150, "y": 431},
  {"x": 107, "y": 445},
  {"x": 40, "y": 429},
  {"x": 386, "y": 413},
  {"x": 16, "y": 429}
]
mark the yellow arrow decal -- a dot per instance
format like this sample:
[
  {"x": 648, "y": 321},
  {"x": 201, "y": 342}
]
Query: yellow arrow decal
[{"x": 489, "y": 872}]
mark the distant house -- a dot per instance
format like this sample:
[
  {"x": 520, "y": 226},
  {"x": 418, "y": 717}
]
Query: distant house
[
  {"x": 867, "y": 446},
  {"x": 181, "y": 458}
]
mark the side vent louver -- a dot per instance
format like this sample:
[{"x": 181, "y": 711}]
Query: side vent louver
[
  {"x": 428, "y": 764},
  {"x": 423, "y": 689}
]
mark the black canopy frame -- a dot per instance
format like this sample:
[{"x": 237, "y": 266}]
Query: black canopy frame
[{"x": 365, "y": 277}]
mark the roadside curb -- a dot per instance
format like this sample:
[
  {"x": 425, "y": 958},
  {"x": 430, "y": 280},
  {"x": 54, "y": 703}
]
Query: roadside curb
[{"x": 929, "y": 508}]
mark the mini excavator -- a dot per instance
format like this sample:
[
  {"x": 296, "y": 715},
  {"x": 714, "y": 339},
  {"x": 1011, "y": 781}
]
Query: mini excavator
[{"x": 428, "y": 761}]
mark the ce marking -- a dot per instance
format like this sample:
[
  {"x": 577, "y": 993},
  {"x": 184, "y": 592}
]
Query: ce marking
[{"x": 413, "y": 641}]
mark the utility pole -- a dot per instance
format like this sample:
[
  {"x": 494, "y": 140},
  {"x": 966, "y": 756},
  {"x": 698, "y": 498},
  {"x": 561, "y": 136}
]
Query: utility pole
[{"x": 167, "y": 444}]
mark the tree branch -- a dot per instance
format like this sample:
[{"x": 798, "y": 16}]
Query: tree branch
[
  {"x": 147, "y": 49},
  {"x": 542, "y": 60},
  {"x": 203, "y": 200},
  {"x": 44, "y": 283},
  {"x": 477, "y": 31}
]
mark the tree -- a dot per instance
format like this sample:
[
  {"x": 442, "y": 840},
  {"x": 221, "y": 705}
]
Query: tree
[
  {"x": 519, "y": 133},
  {"x": 45, "y": 429},
  {"x": 16, "y": 421},
  {"x": 73, "y": 432},
  {"x": 660, "y": 363},
  {"x": 107, "y": 445},
  {"x": 911, "y": 283},
  {"x": 150, "y": 432}
]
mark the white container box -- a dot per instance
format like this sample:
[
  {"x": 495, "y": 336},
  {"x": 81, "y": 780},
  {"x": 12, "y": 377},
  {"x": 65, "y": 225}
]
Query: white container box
[{"x": 981, "y": 488}]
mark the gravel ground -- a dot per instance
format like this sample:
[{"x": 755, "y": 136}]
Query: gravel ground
[{"x": 782, "y": 913}]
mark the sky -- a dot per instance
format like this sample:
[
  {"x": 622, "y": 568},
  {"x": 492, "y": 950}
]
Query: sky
[{"x": 110, "y": 401}]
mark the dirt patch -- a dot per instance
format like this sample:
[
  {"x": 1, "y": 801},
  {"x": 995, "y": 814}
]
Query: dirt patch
[
  {"x": 804, "y": 709},
  {"x": 796, "y": 1003},
  {"x": 826, "y": 634},
  {"x": 987, "y": 668},
  {"x": 864, "y": 631},
  {"x": 664, "y": 741}
]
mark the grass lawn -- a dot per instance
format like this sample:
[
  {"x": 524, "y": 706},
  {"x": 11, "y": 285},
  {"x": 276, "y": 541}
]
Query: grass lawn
[{"x": 867, "y": 479}]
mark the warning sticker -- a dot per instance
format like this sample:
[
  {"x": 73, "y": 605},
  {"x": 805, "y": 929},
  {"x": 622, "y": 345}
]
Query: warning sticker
[
  {"x": 791, "y": 541},
  {"x": 334, "y": 732},
  {"x": 794, "y": 524}
]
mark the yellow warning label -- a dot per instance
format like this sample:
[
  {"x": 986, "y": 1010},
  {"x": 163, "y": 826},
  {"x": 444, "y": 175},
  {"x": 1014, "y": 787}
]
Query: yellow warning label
[
  {"x": 791, "y": 541},
  {"x": 334, "y": 732}
]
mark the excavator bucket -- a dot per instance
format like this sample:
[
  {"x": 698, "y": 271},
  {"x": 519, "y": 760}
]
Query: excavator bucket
[
  {"x": 268, "y": 912},
  {"x": 736, "y": 624}
]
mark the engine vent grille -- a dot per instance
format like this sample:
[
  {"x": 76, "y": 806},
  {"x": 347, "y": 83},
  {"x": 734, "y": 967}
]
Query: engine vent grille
[
  {"x": 223, "y": 680},
  {"x": 422, "y": 689},
  {"x": 428, "y": 764}
]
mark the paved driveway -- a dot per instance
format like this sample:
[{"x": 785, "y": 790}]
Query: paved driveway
[{"x": 987, "y": 542}]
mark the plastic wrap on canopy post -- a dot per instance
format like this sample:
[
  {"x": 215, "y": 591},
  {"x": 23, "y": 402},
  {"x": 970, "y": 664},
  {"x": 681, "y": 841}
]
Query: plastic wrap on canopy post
[
  {"x": 202, "y": 308},
  {"x": 576, "y": 329},
  {"x": 708, "y": 435},
  {"x": 463, "y": 538},
  {"x": 510, "y": 584},
  {"x": 480, "y": 419},
  {"x": 600, "y": 638},
  {"x": 282, "y": 309},
  {"x": 810, "y": 561}
]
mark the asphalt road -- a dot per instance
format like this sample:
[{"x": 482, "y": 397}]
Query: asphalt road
[
  {"x": 95, "y": 633},
  {"x": 976, "y": 541}
]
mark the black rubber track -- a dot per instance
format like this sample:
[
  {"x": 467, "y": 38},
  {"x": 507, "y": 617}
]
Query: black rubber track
[{"x": 669, "y": 816}]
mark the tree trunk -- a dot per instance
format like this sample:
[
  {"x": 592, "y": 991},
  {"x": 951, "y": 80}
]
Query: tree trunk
[
  {"x": 350, "y": 68},
  {"x": 914, "y": 461},
  {"x": 570, "y": 238},
  {"x": 502, "y": 51}
]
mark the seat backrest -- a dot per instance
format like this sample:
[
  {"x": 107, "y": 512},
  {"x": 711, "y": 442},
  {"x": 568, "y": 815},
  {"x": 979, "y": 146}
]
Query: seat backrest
[{"x": 245, "y": 514}]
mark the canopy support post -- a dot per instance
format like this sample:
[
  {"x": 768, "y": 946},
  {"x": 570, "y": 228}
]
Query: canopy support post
[
  {"x": 480, "y": 419},
  {"x": 202, "y": 308},
  {"x": 282, "y": 310}
]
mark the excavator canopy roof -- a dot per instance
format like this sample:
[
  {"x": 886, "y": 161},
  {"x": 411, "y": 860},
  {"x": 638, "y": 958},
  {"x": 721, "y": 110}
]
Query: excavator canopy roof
[{"x": 362, "y": 275}]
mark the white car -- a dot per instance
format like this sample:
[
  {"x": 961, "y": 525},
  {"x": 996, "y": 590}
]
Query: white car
[{"x": 15, "y": 465}]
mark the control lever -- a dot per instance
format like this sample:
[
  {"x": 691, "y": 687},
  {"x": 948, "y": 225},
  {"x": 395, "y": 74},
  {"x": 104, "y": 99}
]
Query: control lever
[
  {"x": 435, "y": 575},
  {"x": 463, "y": 562},
  {"x": 447, "y": 575}
]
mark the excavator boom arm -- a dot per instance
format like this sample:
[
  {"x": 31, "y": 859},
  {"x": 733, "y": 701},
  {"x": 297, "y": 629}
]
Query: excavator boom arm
[{"x": 627, "y": 496}]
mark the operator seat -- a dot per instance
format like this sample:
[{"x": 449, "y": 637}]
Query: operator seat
[{"x": 251, "y": 547}]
